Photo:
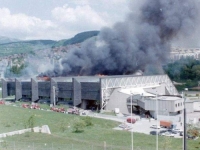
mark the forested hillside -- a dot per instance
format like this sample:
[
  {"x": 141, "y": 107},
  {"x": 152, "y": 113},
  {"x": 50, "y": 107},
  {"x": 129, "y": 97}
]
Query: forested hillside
[{"x": 185, "y": 71}]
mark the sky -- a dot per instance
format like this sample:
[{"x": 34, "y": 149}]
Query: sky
[{"x": 58, "y": 19}]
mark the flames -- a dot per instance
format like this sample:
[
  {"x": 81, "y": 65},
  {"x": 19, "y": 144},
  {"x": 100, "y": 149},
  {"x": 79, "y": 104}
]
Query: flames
[
  {"x": 100, "y": 75},
  {"x": 45, "y": 78}
]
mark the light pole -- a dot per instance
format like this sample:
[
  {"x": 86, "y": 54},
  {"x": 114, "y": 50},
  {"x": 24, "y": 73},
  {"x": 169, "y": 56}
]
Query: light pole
[
  {"x": 157, "y": 121},
  {"x": 184, "y": 124},
  {"x": 54, "y": 95},
  {"x": 131, "y": 122}
]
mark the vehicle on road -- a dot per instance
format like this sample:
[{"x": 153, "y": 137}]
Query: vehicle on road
[{"x": 155, "y": 126}]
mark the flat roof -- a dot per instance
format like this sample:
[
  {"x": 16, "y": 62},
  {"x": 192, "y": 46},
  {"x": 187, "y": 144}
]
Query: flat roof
[{"x": 167, "y": 98}]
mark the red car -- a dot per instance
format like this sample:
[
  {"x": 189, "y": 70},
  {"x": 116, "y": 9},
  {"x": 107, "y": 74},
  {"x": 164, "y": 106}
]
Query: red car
[
  {"x": 2, "y": 102},
  {"x": 25, "y": 106},
  {"x": 62, "y": 110},
  {"x": 131, "y": 120},
  {"x": 35, "y": 106}
]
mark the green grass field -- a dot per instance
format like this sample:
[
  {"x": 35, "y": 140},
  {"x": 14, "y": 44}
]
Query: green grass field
[{"x": 94, "y": 137}]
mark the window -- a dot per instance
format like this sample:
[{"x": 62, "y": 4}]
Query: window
[{"x": 176, "y": 105}]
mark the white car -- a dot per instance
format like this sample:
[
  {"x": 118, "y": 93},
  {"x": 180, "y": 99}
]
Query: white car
[
  {"x": 125, "y": 126},
  {"x": 155, "y": 126},
  {"x": 169, "y": 134},
  {"x": 177, "y": 130}
]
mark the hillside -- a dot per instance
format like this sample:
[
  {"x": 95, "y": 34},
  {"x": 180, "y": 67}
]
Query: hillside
[
  {"x": 10, "y": 47},
  {"x": 78, "y": 38},
  {"x": 24, "y": 47},
  {"x": 4, "y": 40}
]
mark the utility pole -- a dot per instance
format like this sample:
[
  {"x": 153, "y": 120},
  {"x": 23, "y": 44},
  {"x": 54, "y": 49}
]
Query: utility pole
[{"x": 185, "y": 124}]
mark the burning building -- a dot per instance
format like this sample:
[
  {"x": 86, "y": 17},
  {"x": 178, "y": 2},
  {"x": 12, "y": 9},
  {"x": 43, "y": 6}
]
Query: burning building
[{"x": 104, "y": 92}]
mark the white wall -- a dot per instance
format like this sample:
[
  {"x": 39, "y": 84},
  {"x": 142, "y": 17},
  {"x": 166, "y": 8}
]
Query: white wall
[
  {"x": 118, "y": 100},
  {"x": 189, "y": 107},
  {"x": 196, "y": 106}
]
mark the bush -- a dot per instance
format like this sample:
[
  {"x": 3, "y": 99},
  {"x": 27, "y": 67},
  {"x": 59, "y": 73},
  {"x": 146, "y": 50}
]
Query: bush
[
  {"x": 193, "y": 132},
  {"x": 30, "y": 122},
  {"x": 78, "y": 125},
  {"x": 88, "y": 121}
]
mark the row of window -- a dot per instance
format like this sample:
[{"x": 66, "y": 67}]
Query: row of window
[{"x": 179, "y": 104}]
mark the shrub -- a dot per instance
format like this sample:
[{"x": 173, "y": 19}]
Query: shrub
[
  {"x": 193, "y": 132},
  {"x": 88, "y": 121},
  {"x": 30, "y": 122},
  {"x": 78, "y": 125}
]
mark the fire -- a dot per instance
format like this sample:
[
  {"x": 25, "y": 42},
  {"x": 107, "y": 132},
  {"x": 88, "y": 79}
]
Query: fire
[
  {"x": 101, "y": 75},
  {"x": 45, "y": 78}
]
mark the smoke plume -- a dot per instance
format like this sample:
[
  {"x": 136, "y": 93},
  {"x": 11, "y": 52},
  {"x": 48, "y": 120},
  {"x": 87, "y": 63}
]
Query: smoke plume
[{"x": 141, "y": 42}]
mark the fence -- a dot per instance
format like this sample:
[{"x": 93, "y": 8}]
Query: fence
[{"x": 7, "y": 145}]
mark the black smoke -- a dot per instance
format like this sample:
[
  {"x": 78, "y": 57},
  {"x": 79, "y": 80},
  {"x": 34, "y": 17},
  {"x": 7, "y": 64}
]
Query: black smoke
[{"x": 141, "y": 42}]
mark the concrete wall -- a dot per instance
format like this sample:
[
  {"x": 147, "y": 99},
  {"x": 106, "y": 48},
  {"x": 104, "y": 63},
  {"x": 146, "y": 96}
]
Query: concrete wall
[
  {"x": 77, "y": 93},
  {"x": 176, "y": 118},
  {"x": 34, "y": 90},
  {"x": 53, "y": 91},
  {"x": 168, "y": 105},
  {"x": 4, "y": 88},
  {"x": 196, "y": 106},
  {"x": 189, "y": 107},
  {"x": 18, "y": 91},
  {"x": 118, "y": 100},
  {"x": 84, "y": 104}
]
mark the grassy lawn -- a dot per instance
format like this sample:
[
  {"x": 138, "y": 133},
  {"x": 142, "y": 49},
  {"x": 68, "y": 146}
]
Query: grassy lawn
[{"x": 93, "y": 137}]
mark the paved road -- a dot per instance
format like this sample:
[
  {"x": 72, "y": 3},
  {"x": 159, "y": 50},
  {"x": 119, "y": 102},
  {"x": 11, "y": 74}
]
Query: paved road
[{"x": 141, "y": 126}]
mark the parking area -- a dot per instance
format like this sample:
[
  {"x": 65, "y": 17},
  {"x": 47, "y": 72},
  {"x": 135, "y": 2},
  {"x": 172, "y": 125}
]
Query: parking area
[{"x": 145, "y": 126}]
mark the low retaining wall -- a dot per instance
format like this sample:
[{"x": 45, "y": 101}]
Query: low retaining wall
[{"x": 43, "y": 129}]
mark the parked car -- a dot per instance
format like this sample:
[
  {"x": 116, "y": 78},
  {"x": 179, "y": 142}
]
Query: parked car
[
  {"x": 2, "y": 102},
  {"x": 125, "y": 126},
  {"x": 162, "y": 132},
  {"x": 155, "y": 126},
  {"x": 25, "y": 105},
  {"x": 35, "y": 106},
  {"x": 154, "y": 133},
  {"x": 170, "y": 134},
  {"x": 177, "y": 130},
  {"x": 190, "y": 137},
  {"x": 131, "y": 120}
]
